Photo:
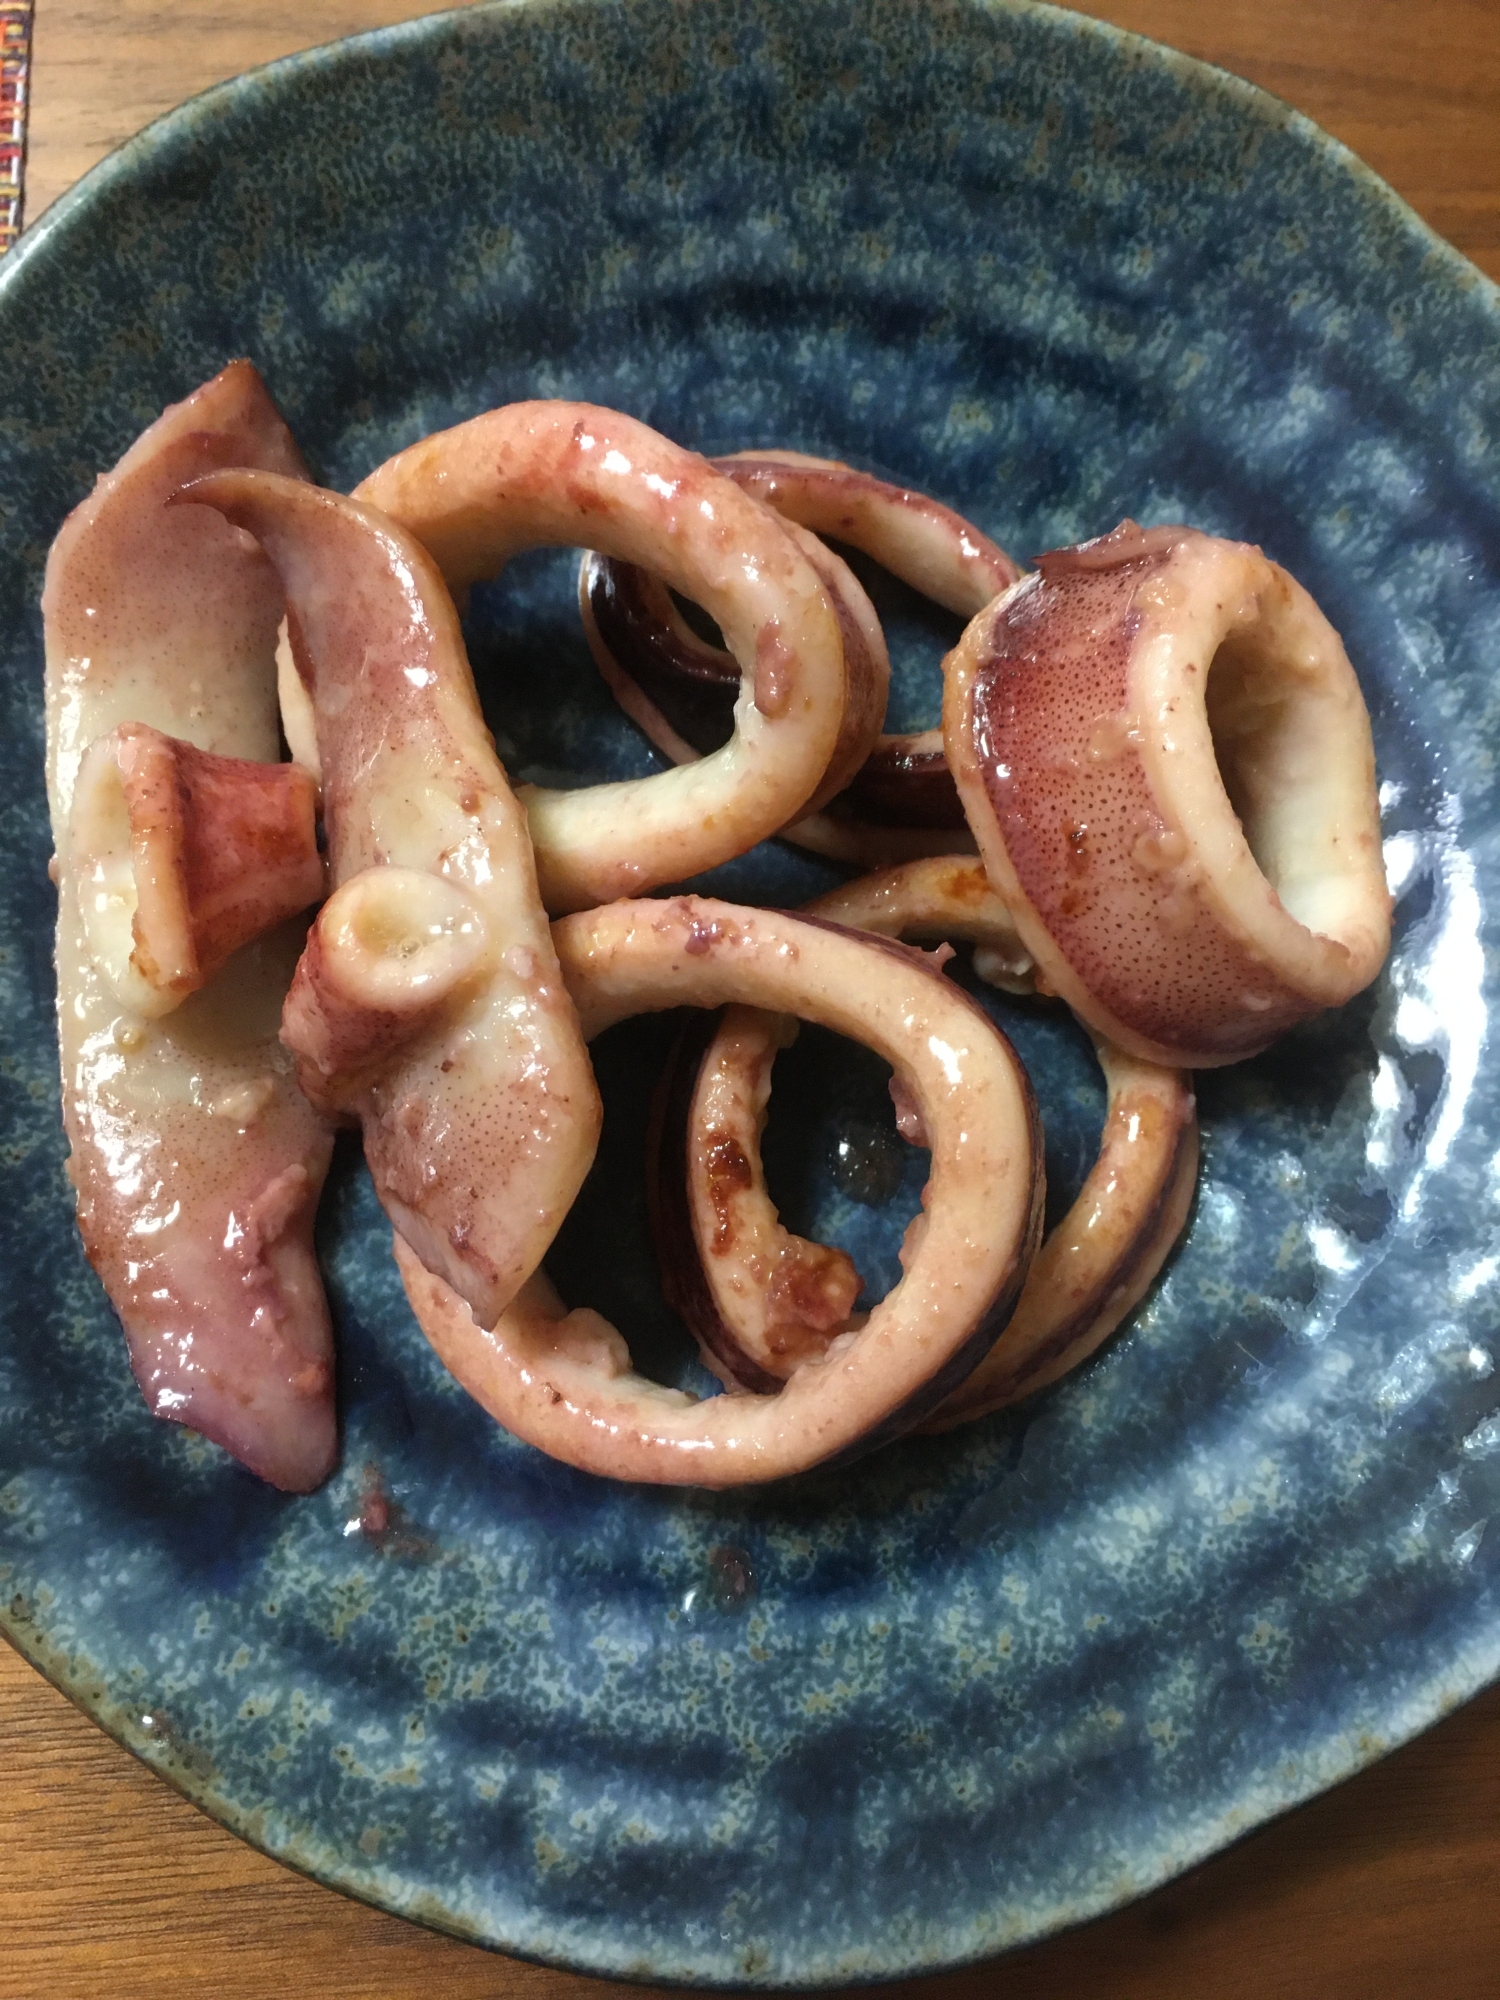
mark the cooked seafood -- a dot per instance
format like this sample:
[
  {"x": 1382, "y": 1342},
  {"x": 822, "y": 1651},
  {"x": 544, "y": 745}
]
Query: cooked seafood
[
  {"x": 761, "y": 1301},
  {"x": 1156, "y": 741},
  {"x": 901, "y": 801},
  {"x": 564, "y": 1380},
  {"x": 188, "y": 857},
  {"x": 539, "y": 473},
  {"x": 196, "y": 1160},
  {"x": 427, "y": 1004},
  {"x": 1166, "y": 761}
]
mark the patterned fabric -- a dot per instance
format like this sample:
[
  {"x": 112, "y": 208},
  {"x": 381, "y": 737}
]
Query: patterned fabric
[{"x": 15, "y": 58}]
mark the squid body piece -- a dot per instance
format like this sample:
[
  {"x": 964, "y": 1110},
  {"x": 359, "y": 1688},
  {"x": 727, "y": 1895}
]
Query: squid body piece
[
  {"x": 196, "y": 1160},
  {"x": 428, "y": 1003}
]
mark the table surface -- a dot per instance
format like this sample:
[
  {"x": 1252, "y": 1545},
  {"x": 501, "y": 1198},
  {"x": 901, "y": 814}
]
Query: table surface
[{"x": 113, "y": 1885}]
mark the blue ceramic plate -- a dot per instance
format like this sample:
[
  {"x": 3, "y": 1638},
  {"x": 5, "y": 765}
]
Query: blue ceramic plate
[{"x": 909, "y": 1713}]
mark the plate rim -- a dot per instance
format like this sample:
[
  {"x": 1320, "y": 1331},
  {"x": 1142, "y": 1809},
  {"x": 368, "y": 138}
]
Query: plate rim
[{"x": 168, "y": 127}]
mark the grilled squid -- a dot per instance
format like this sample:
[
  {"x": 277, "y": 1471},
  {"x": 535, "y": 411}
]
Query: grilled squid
[
  {"x": 535, "y": 474},
  {"x": 427, "y": 1005},
  {"x": 564, "y": 1381},
  {"x": 1166, "y": 761},
  {"x": 672, "y": 669},
  {"x": 196, "y": 1160},
  {"x": 761, "y": 1301},
  {"x": 677, "y": 687}
]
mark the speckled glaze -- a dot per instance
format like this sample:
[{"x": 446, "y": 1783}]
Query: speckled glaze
[{"x": 911, "y": 1712}]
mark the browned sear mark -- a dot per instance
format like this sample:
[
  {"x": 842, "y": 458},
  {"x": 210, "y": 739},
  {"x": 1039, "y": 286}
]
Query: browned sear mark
[
  {"x": 729, "y": 1174},
  {"x": 810, "y": 1295}
]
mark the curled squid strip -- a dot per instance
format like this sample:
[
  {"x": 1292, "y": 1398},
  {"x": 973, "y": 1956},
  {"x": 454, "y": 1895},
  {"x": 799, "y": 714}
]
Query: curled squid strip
[
  {"x": 564, "y": 1381},
  {"x": 761, "y": 1301},
  {"x": 428, "y": 1003},
  {"x": 927, "y": 546},
  {"x": 933, "y": 901},
  {"x": 196, "y": 1160},
  {"x": 1166, "y": 762},
  {"x": 535, "y": 474},
  {"x": 185, "y": 858},
  {"x": 675, "y": 685},
  {"x": 1104, "y": 1255}
]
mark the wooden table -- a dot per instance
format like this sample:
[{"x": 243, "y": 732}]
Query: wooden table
[{"x": 111, "y": 1885}]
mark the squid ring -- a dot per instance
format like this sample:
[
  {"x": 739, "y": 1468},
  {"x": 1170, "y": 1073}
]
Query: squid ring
[
  {"x": 540, "y": 473},
  {"x": 762, "y": 1302},
  {"x": 674, "y": 684},
  {"x": 1097, "y": 1265},
  {"x": 563, "y": 1381},
  {"x": 1166, "y": 763},
  {"x": 666, "y": 657}
]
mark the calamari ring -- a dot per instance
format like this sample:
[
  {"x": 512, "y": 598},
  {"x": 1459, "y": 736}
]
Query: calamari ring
[
  {"x": 761, "y": 1302},
  {"x": 669, "y": 681},
  {"x": 542, "y": 473},
  {"x": 674, "y": 684},
  {"x": 1166, "y": 762},
  {"x": 563, "y": 1380},
  {"x": 669, "y": 649}
]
